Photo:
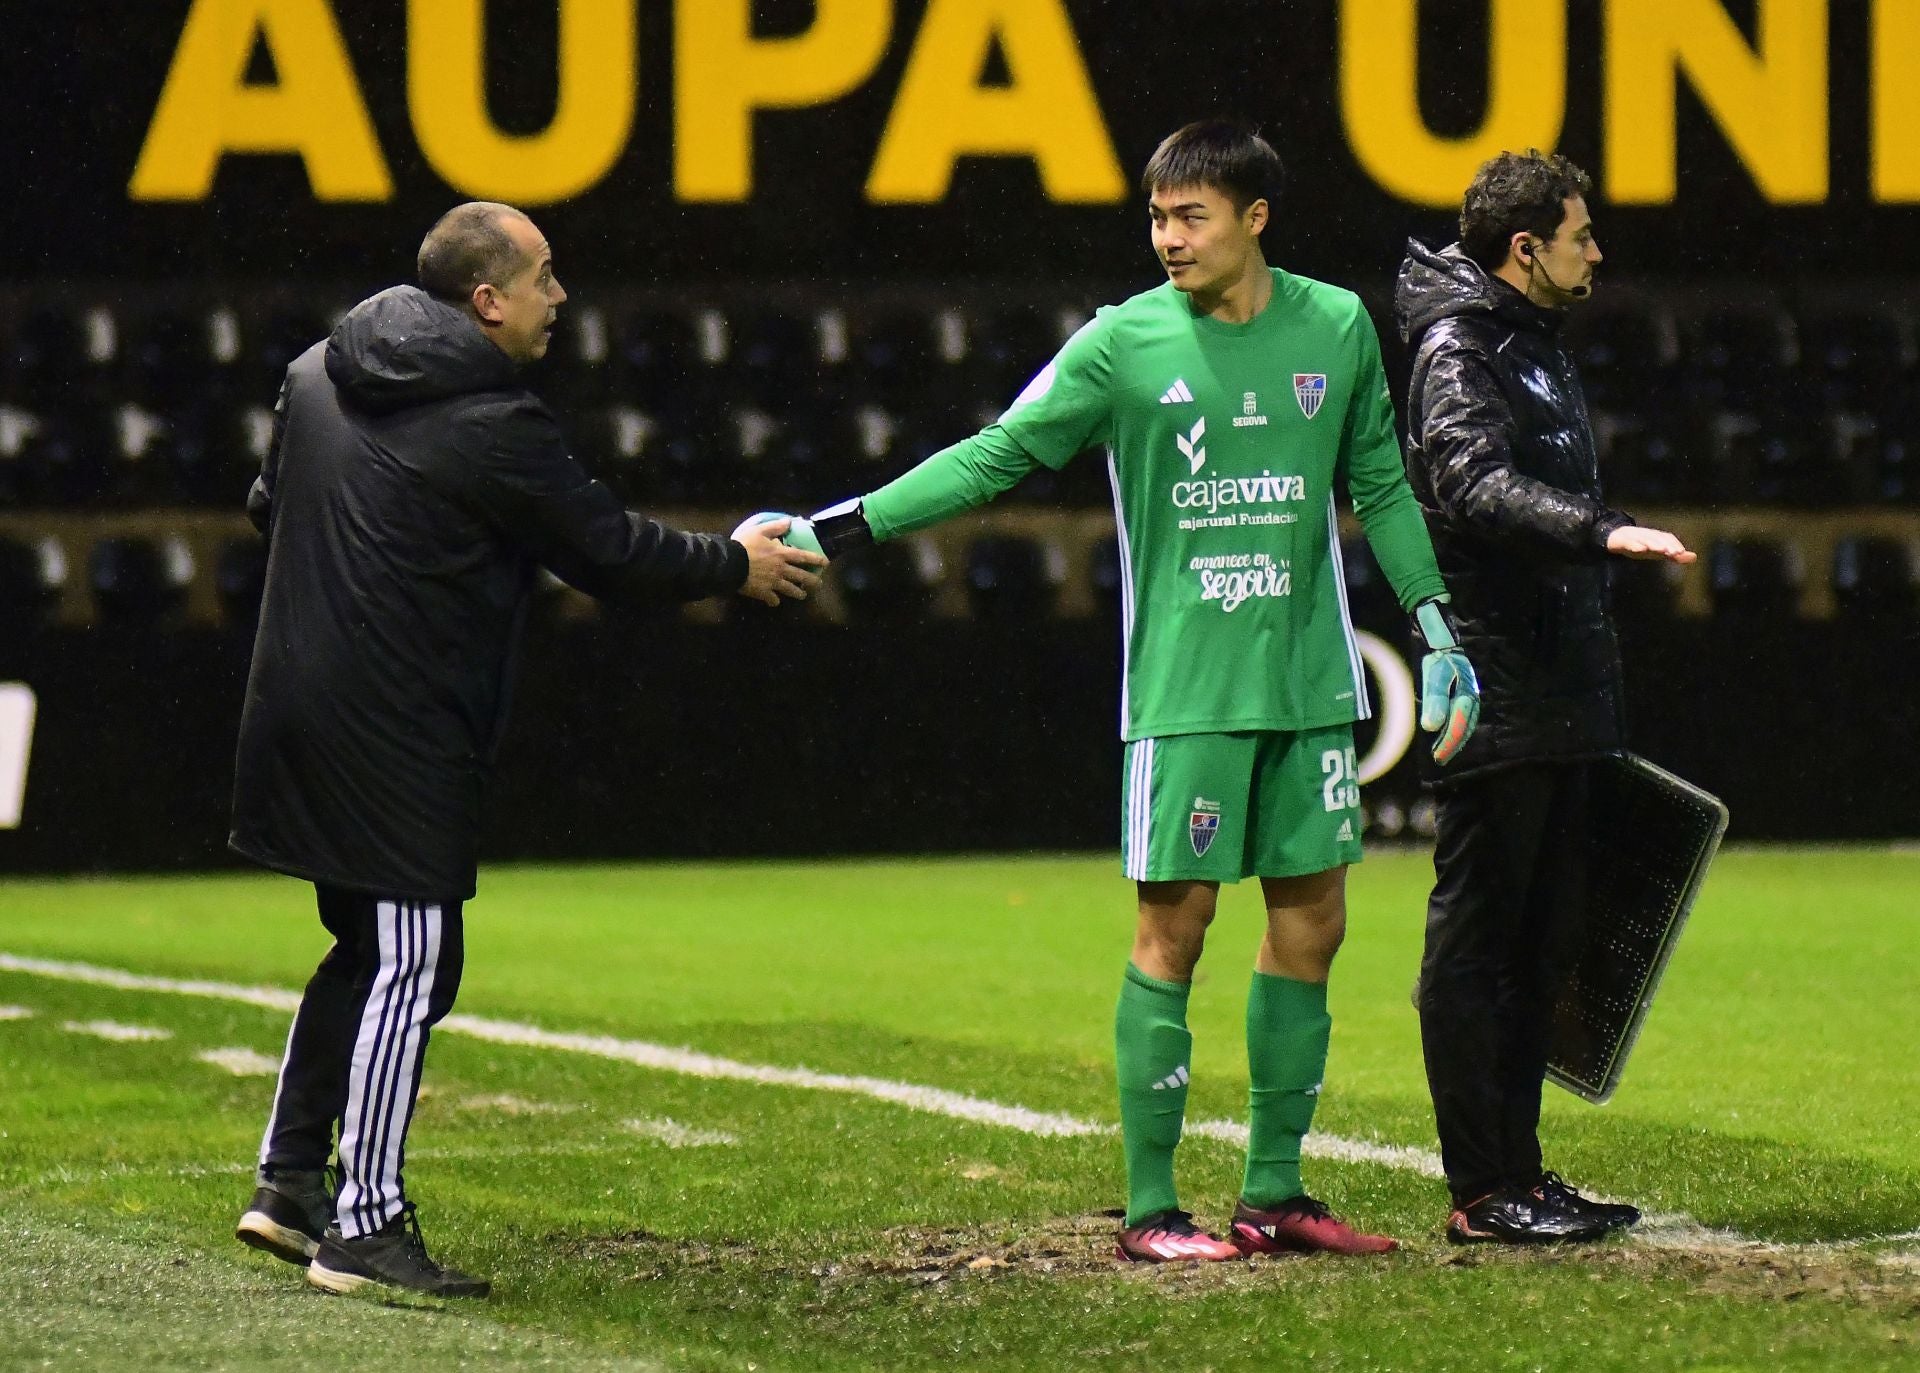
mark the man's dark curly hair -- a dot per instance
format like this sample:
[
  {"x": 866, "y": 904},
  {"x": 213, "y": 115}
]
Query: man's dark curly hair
[{"x": 1516, "y": 192}]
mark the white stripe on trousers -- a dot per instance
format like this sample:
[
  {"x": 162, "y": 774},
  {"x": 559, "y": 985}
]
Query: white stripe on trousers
[
  {"x": 386, "y": 1064},
  {"x": 1139, "y": 817}
]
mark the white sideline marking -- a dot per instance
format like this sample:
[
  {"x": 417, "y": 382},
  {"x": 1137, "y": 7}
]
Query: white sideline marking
[
  {"x": 241, "y": 1062},
  {"x": 15, "y": 1013},
  {"x": 507, "y": 1104},
  {"x": 273, "y": 998},
  {"x": 1677, "y": 1230},
  {"x": 687, "y": 1062},
  {"x": 1403, "y": 1157},
  {"x": 111, "y": 1029},
  {"x": 1674, "y": 1231},
  {"x": 677, "y": 1136}
]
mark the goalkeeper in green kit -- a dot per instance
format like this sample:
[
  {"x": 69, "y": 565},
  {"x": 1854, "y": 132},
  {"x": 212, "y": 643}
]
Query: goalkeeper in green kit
[{"x": 1230, "y": 401}]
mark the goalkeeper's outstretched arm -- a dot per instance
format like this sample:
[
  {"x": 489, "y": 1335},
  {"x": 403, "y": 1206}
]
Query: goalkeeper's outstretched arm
[{"x": 968, "y": 474}]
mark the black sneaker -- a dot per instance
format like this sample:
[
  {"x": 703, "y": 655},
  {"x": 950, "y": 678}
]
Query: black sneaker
[
  {"x": 1516, "y": 1216},
  {"x": 1615, "y": 1215},
  {"x": 395, "y": 1255},
  {"x": 289, "y": 1213}
]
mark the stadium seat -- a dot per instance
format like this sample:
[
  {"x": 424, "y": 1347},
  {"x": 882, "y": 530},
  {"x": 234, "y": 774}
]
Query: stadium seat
[
  {"x": 177, "y": 357},
  {"x": 282, "y": 334},
  {"x": 900, "y": 354},
  {"x": 60, "y": 358},
  {"x": 577, "y": 370},
  {"x": 31, "y": 576},
  {"x": 69, "y": 458},
  {"x": 1627, "y": 353},
  {"x": 138, "y": 580},
  {"x": 1008, "y": 347},
  {"x": 1754, "y": 577},
  {"x": 1857, "y": 358},
  {"x": 773, "y": 355},
  {"x": 240, "y": 577},
  {"x": 664, "y": 360},
  {"x": 1771, "y": 457},
  {"x": 1874, "y": 575},
  {"x": 1641, "y": 460},
  {"x": 889, "y": 581},
  {"x": 1740, "y": 357},
  {"x": 1012, "y": 578},
  {"x": 1893, "y": 477}
]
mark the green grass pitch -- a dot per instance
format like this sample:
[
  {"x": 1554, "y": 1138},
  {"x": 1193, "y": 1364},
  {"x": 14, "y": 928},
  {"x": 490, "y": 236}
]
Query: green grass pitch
[{"x": 635, "y": 1214}]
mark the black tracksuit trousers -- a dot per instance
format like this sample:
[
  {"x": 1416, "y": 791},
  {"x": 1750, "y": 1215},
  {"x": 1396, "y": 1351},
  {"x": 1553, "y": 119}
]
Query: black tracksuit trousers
[
  {"x": 357, "y": 1046},
  {"x": 1508, "y": 905}
]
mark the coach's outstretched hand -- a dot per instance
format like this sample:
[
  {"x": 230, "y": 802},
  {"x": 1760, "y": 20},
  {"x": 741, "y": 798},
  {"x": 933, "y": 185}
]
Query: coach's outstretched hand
[
  {"x": 775, "y": 570},
  {"x": 1449, "y": 691}
]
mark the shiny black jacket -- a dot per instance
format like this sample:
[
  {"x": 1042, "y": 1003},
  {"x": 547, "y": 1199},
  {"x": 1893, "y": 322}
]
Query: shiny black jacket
[
  {"x": 1501, "y": 458},
  {"x": 413, "y": 490}
]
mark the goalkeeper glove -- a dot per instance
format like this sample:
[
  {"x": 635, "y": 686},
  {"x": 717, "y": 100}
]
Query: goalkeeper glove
[
  {"x": 841, "y": 528},
  {"x": 1449, "y": 692}
]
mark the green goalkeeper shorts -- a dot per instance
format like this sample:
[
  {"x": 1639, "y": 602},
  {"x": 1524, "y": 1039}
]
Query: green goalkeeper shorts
[{"x": 1220, "y": 807}]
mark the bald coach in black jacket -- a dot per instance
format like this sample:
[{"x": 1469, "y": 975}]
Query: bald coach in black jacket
[
  {"x": 414, "y": 489},
  {"x": 1501, "y": 457}
]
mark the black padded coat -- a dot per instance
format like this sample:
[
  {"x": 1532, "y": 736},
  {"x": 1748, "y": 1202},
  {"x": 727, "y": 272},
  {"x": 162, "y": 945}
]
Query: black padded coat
[
  {"x": 413, "y": 490},
  {"x": 1501, "y": 456}
]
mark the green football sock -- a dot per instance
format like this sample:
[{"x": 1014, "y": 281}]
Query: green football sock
[
  {"x": 1151, "y": 1052},
  {"x": 1287, "y": 1032}
]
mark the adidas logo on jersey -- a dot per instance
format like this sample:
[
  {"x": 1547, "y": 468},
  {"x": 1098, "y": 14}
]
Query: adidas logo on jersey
[
  {"x": 1176, "y": 1078},
  {"x": 1177, "y": 394}
]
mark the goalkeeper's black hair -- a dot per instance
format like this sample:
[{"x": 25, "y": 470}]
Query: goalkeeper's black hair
[{"x": 1222, "y": 153}]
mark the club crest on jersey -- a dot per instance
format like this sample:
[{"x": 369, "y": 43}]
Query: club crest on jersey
[
  {"x": 1310, "y": 388},
  {"x": 1203, "y": 824}
]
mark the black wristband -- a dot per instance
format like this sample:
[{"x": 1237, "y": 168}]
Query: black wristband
[{"x": 842, "y": 528}]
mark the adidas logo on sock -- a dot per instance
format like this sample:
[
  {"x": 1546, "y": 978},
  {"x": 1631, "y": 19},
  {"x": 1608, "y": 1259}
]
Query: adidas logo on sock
[
  {"x": 1177, "y": 394},
  {"x": 1176, "y": 1078}
]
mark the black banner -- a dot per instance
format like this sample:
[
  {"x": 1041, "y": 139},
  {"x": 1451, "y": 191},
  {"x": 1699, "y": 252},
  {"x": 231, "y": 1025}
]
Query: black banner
[{"x": 646, "y": 738}]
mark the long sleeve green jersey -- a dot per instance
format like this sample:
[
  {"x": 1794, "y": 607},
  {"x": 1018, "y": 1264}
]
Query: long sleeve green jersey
[{"x": 1224, "y": 445}]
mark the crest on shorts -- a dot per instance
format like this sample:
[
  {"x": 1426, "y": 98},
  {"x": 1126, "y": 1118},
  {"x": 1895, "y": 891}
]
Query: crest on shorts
[
  {"x": 1309, "y": 388},
  {"x": 1203, "y": 823}
]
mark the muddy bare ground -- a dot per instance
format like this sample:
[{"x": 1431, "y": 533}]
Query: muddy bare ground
[{"x": 1071, "y": 1247}]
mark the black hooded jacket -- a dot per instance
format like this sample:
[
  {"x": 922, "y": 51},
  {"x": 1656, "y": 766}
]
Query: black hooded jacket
[
  {"x": 1501, "y": 458},
  {"x": 413, "y": 490}
]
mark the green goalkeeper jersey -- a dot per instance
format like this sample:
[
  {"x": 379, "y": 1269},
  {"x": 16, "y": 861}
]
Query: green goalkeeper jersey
[{"x": 1224, "y": 445}]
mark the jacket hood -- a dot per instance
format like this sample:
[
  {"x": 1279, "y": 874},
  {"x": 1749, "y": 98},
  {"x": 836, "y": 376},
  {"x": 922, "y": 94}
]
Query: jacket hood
[
  {"x": 403, "y": 348},
  {"x": 1434, "y": 285}
]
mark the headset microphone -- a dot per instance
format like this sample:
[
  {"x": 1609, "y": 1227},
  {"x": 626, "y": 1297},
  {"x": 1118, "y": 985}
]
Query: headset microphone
[{"x": 1534, "y": 263}]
